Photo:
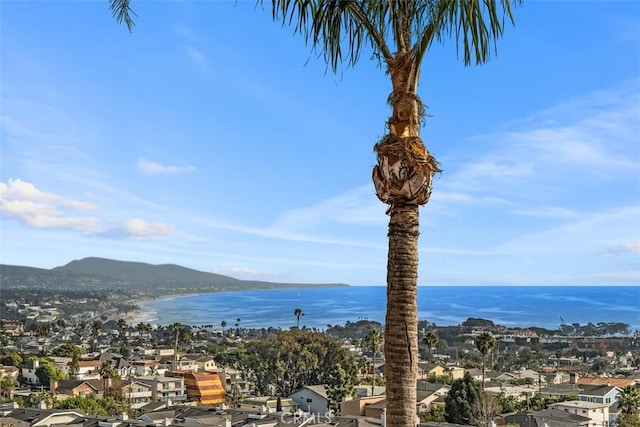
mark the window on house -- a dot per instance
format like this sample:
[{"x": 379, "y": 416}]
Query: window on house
[{"x": 309, "y": 400}]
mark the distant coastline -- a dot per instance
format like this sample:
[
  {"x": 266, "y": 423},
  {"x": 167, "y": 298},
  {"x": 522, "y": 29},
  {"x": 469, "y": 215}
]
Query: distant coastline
[{"x": 511, "y": 306}]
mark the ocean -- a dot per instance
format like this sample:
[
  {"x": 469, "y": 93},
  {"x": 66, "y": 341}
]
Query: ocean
[{"x": 511, "y": 306}]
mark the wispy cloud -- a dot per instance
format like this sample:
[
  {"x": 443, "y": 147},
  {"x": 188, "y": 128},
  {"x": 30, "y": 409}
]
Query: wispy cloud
[
  {"x": 34, "y": 208},
  {"x": 153, "y": 168},
  {"x": 23, "y": 201}
]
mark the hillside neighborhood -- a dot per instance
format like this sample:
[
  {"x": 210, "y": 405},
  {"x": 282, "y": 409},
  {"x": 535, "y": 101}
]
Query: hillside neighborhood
[{"x": 81, "y": 371}]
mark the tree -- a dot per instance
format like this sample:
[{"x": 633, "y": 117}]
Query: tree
[
  {"x": 461, "y": 404},
  {"x": 11, "y": 359},
  {"x": 399, "y": 33},
  {"x": 46, "y": 373},
  {"x": 96, "y": 330},
  {"x": 339, "y": 386},
  {"x": 629, "y": 400},
  {"x": 107, "y": 372},
  {"x": 223, "y": 324},
  {"x": 430, "y": 340},
  {"x": 298, "y": 313},
  {"x": 283, "y": 362},
  {"x": 373, "y": 341},
  {"x": 122, "y": 327},
  {"x": 484, "y": 343}
]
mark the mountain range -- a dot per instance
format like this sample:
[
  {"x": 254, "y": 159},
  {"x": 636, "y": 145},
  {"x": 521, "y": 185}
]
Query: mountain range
[{"x": 102, "y": 273}]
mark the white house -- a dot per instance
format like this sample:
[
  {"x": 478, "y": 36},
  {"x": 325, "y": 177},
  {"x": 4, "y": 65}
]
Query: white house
[
  {"x": 312, "y": 399},
  {"x": 598, "y": 413}
]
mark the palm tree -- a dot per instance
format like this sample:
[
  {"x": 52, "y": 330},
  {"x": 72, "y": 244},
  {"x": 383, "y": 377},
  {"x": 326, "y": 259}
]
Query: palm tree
[
  {"x": 122, "y": 326},
  {"x": 298, "y": 313},
  {"x": 96, "y": 330},
  {"x": 399, "y": 34},
  {"x": 223, "y": 324},
  {"x": 373, "y": 341},
  {"x": 485, "y": 342},
  {"x": 176, "y": 329},
  {"x": 430, "y": 340},
  {"x": 106, "y": 371}
]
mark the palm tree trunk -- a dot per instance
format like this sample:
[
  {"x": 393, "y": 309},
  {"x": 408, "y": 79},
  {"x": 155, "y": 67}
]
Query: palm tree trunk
[{"x": 401, "y": 323}]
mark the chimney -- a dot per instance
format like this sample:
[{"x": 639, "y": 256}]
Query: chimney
[
  {"x": 227, "y": 422},
  {"x": 383, "y": 418},
  {"x": 573, "y": 378},
  {"x": 124, "y": 416},
  {"x": 53, "y": 386}
]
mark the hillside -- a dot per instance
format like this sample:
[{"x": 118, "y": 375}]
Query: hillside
[{"x": 101, "y": 273}]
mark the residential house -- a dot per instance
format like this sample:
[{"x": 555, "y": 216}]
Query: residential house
[
  {"x": 73, "y": 388},
  {"x": 431, "y": 394},
  {"x": 312, "y": 399},
  {"x": 234, "y": 378},
  {"x": 598, "y": 413},
  {"x": 547, "y": 418},
  {"x": 29, "y": 372},
  {"x": 203, "y": 363},
  {"x": 434, "y": 370},
  {"x": 137, "y": 393},
  {"x": 34, "y": 417},
  {"x": 165, "y": 389},
  {"x": 143, "y": 368},
  {"x": 88, "y": 369},
  {"x": 12, "y": 328},
  {"x": 268, "y": 404},
  {"x": 598, "y": 393},
  {"x": 356, "y": 407}
]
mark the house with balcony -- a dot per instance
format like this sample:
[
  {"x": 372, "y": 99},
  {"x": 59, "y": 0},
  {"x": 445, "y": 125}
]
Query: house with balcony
[
  {"x": 165, "y": 389},
  {"x": 137, "y": 393},
  {"x": 203, "y": 363}
]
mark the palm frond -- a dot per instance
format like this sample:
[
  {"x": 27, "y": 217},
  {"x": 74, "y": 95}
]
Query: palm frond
[
  {"x": 121, "y": 10},
  {"x": 476, "y": 25},
  {"x": 338, "y": 28}
]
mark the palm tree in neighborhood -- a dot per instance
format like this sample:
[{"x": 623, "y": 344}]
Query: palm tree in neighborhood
[
  {"x": 107, "y": 372},
  {"x": 399, "y": 33},
  {"x": 176, "y": 329},
  {"x": 430, "y": 340},
  {"x": 223, "y": 324},
  {"x": 96, "y": 330},
  {"x": 485, "y": 342},
  {"x": 374, "y": 342},
  {"x": 298, "y": 313},
  {"x": 237, "y": 325},
  {"x": 122, "y": 327}
]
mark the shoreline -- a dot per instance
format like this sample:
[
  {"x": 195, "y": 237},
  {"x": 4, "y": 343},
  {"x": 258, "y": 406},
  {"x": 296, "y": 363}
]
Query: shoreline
[{"x": 450, "y": 307}]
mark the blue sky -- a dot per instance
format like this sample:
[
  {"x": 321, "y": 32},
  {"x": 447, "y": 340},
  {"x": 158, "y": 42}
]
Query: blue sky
[{"x": 212, "y": 138}]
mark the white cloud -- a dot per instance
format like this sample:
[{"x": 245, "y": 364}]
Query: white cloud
[
  {"x": 140, "y": 229},
  {"x": 23, "y": 201},
  {"x": 151, "y": 168}
]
